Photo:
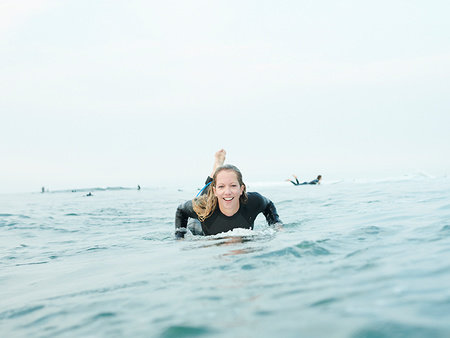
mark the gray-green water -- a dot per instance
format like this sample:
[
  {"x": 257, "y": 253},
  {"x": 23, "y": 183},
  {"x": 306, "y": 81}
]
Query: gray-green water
[{"x": 354, "y": 260}]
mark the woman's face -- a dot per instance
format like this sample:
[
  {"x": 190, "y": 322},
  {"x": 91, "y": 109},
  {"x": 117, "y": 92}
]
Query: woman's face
[{"x": 228, "y": 191}]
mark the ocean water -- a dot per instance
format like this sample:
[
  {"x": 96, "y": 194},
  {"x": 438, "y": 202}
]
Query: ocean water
[{"x": 355, "y": 259}]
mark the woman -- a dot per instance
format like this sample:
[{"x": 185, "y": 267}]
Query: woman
[{"x": 224, "y": 204}]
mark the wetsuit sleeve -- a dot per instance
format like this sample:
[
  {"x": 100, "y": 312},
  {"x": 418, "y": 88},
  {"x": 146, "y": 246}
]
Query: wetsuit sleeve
[
  {"x": 271, "y": 214},
  {"x": 184, "y": 211},
  {"x": 269, "y": 211}
]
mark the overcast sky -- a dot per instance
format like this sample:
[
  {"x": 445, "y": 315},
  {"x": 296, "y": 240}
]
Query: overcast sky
[{"x": 109, "y": 93}]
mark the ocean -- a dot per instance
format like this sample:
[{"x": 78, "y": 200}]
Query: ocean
[{"x": 354, "y": 259}]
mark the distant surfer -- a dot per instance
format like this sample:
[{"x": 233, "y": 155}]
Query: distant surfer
[
  {"x": 296, "y": 182},
  {"x": 224, "y": 203},
  {"x": 139, "y": 187},
  {"x": 89, "y": 194},
  {"x": 42, "y": 190}
]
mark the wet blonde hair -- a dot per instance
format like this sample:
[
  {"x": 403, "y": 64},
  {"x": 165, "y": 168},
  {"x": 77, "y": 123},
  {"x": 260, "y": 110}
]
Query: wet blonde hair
[{"x": 205, "y": 205}]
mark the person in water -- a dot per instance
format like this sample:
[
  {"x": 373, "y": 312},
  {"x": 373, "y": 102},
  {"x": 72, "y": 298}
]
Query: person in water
[
  {"x": 296, "y": 182},
  {"x": 225, "y": 204}
]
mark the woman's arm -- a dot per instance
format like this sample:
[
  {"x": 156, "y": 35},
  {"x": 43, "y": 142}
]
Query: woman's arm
[
  {"x": 184, "y": 211},
  {"x": 271, "y": 214},
  {"x": 268, "y": 209}
]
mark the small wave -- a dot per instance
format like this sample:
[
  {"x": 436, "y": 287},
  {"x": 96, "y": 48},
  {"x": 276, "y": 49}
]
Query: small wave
[
  {"x": 392, "y": 329},
  {"x": 289, "y": 251},
  {"x": 102, "y": 315},
  {"x": 101, "y": 290},
  {"x": 248, "y": 267},
  {"x": 445, "y": 228},
  {"x": 14, "y": 215},
  {"x": 373, "y": 201},
  {"x": 305, "y": 248},
  {"x": 60, "y": 230},
  {"x": 356, "y": 252},
  {"x": 33, "y": 263},
  {"x": 11, "y": 224},
  {"x": 369, "y": 230},
  {"x": 20, "y": 312},
  {"x": 238, "y": 232},
  {"x": 177, "y": 331},
  {"x": 283, "y": 202},
  {"x": 325, "y": 301},
  {"x": 263, "y": 313},
  {"x": 367, "y": 266},
  {"x": 296, "y": 224},
  {"x": 95, "y": 248},
  {"x": 46, "y": 318},
  {"x": 311, "y": 248}
]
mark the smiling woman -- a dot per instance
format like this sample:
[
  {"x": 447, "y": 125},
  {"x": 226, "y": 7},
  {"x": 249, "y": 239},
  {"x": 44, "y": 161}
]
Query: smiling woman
[{"x": 225, "y": 204}]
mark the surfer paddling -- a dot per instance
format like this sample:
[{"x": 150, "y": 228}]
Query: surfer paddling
[
  {"x": 296, "y": 182},
  {"x": 224, "y": 204}
]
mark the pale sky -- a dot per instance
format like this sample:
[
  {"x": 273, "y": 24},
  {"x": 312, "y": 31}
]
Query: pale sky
[{"x": 120, "y": 93}]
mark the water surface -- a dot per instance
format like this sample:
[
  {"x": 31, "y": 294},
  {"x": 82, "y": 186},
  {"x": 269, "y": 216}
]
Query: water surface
[{"x": 355, "y": 259}]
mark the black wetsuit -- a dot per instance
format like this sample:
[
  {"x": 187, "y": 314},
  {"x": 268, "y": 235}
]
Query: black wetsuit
[
  {"x": 316, "y": 181},
  {"x": 218, "y": 222}
]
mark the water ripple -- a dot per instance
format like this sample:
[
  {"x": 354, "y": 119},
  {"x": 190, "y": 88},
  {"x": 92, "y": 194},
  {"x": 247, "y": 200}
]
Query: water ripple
[
  {"x": 100, "y": 290},
  {"x": 311, "y": 248},
  {"x": 20, "y": 312},
  {"x": 179, "y": 331},
  {"x": 398, "y": 330},
  {"x": 325, "y": 301}
]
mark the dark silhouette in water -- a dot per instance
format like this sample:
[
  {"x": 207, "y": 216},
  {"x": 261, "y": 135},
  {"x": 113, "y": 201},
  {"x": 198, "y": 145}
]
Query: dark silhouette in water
[
  {"x": 316, "y": 181},
  {"x": 42, "y": 189},
  {"x": 89, "y": 194},
  {"x": 139, "y": 187}
]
